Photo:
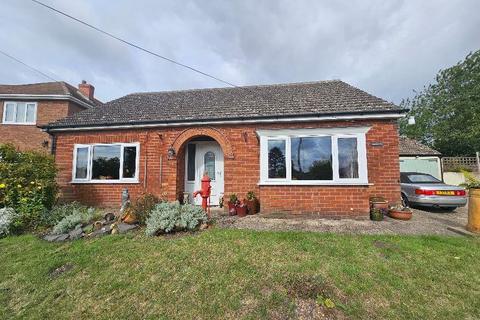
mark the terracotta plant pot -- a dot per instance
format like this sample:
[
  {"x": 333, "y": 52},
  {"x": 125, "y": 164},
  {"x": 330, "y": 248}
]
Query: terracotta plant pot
[
  {"x": 242, "y": 210},
  {"x": 382, "y": 205},
  {"x": 400, "y": 214},
  {"x": 252, "y": 206},
  {"x": 232, "y": 208}
]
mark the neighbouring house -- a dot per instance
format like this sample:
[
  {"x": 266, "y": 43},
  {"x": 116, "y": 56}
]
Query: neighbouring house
[
  {"x": 319, "y": 147},
  {"x": 417, "y": 157},
  {"x": 26, "y": 107}
]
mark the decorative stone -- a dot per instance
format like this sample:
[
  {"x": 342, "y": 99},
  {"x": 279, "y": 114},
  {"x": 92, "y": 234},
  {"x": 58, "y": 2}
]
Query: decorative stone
[
  {"x": 51, "y": 237},
  {"x": 100, "y": 232},
  {"x": 124, "y": 227},
  {"x": 62, "y": 237},
  {"x": 75, "y": 234},
  {"x": 97, "y": 225},
  {"x": 109, "y": 216}
]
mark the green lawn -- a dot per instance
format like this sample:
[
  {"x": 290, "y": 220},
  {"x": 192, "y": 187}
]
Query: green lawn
[{"x": 222, "y": 274}]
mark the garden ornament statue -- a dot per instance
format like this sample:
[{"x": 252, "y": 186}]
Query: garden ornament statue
[
  {"x": 204, "y": 192},
  {"x": 125, "y": 201}
]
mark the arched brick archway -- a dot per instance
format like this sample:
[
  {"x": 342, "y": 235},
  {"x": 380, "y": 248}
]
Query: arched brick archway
[{"x": 191, "y": 133}]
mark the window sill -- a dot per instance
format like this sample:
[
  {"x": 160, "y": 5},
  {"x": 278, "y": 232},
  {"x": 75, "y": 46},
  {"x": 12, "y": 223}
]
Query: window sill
[
  {"x": 312, "y": 183},
  {"x": 19, "y": 123},
  {"x": 105, "y": 182}
]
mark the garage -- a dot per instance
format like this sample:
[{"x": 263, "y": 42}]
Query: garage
[{"x": 417, "y": 157}]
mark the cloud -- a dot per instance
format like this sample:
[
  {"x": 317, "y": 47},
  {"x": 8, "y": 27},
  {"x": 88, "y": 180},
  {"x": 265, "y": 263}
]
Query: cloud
[{"x": 387, "y": 48}]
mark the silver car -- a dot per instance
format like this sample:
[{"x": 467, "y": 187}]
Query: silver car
[{"x": 421, "y": 189}]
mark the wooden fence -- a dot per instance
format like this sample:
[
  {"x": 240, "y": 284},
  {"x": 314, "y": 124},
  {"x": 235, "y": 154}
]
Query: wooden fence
[{"x": 461, "y": 163}]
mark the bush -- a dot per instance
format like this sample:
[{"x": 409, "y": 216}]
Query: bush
[
  {"x": 27, "y": 184},
  {"x": 58, "y": 212},
  {"x": 143, "y": 206},
  {"x": 69, "y": 223},
  {"x": 7, "y": 220},
  {"x": 171, "y": 216}
]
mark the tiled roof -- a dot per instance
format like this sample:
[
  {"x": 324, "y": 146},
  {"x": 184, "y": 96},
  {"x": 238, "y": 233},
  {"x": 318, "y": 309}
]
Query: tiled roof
[
  {"x": 47, "y": 88},
  {"x": 252, "y": 102},
  {"x": 410, "y": 147}
]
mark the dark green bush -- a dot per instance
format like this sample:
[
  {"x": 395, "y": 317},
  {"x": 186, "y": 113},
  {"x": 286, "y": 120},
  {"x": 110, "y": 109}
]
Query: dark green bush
[
  {"x": 27, "y": 184},
  {"x": 144, "y": 205}
]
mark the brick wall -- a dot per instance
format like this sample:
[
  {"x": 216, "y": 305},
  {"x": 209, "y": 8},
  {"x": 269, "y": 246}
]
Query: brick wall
[
  {"x": 163, "y": 176},
  {"x": 30, "y": 137}
]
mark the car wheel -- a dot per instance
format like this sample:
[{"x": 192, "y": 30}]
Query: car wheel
[{"x": 405, "y": 201}]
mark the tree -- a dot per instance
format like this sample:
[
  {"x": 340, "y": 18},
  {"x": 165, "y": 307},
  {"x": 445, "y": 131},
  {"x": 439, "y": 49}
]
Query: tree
[{"x": 447, "y": 113}]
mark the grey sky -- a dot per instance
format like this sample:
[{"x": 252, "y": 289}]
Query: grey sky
[{"x": 387, "y": 48}]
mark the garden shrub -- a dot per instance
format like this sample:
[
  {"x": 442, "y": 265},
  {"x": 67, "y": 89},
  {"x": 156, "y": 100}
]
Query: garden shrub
[
  {"x": 58, "y": 212},
  {"x": 7, "y": 220},
  {"x": 143, "y": 206},
  {"x": 27, "y": 184},
  {"x": 171, "y": 216},
  {"x": 80, "y": 215}
]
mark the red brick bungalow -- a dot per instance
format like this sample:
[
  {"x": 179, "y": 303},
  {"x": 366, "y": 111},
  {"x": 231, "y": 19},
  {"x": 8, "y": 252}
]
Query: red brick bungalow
[{"x": 320, "y": 147}]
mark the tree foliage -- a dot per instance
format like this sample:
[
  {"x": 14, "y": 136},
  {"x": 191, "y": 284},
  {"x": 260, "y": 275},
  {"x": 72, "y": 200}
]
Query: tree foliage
[{"x": 447, "y": 113}]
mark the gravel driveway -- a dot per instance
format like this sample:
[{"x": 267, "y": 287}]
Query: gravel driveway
[{"x": 423, "y": 222}]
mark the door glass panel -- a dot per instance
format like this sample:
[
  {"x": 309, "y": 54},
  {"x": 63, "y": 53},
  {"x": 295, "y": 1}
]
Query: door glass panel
[
  {"x": 191, "y": 162},
  {"x": 312, "y": 158},
  {"x": 347, "y": 158},
  {"x": 81, "y": 163},
  {"x": 21, "y": 108},
  {"x": 276, "y": 159},
  {"x": 106, "y": 163},
  {"x": 209, "y": 161}
]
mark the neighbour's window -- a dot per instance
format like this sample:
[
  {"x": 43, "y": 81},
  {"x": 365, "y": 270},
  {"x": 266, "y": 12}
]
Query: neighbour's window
[
  {"x": 106, "y": 162},
  {"x": 313, "y": 156},
  {"x": 20, "y": 113}
]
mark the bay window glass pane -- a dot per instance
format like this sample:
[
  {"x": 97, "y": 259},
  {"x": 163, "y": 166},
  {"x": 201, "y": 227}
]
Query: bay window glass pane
[
  {"x": 31, "y": 112},
  {"x": 21, "y": 108},
  {"x": 312, "y": 158},
  {"x": 276, "y": 159},
  {"x": 191, "y": 162},
  {"x": 81, "y": 163},
  {"x": 347, "y": 158},
  {"x": 106, "y": 162},
  {"x": 209, "y": 161},
  {"x": 129, "y": 162},
  {"x": 9, "y": 112}
]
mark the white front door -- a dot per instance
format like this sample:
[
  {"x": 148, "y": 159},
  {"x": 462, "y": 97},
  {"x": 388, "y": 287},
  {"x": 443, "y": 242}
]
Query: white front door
[{"x": 204, "y": 156}]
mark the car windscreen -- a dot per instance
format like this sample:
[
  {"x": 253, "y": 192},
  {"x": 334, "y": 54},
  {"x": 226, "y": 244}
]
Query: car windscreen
[{"x": 422, "y": 178}]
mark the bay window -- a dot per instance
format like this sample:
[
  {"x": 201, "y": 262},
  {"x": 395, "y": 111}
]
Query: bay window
[
  {"x": 106, "y": 163},
  {"x": 313, "y": 156},
  {"x": 24, "y": 113}
]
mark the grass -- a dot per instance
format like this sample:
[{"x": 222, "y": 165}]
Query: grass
[{"x": 222, "y": 274}]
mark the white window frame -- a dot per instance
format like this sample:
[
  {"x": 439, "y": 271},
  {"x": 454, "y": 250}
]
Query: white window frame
[
  {"x": 90, "y": 147},
  {"x": 15, "y": 104},
  {"x": 287, "y": 134}
]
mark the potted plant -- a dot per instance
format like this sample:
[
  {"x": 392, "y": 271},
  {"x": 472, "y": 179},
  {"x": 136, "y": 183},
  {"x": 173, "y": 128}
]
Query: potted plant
[
  {"x": 473, "y": 186},
  {"x": 232, "y": 204},
  {"x": 379, "y": 203},
  {"x": 376, "y": 214},
  {"x": 241, "y": 208},
  {"x": 252, "y": 203},
  {"x": 400, "y": 212}
]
